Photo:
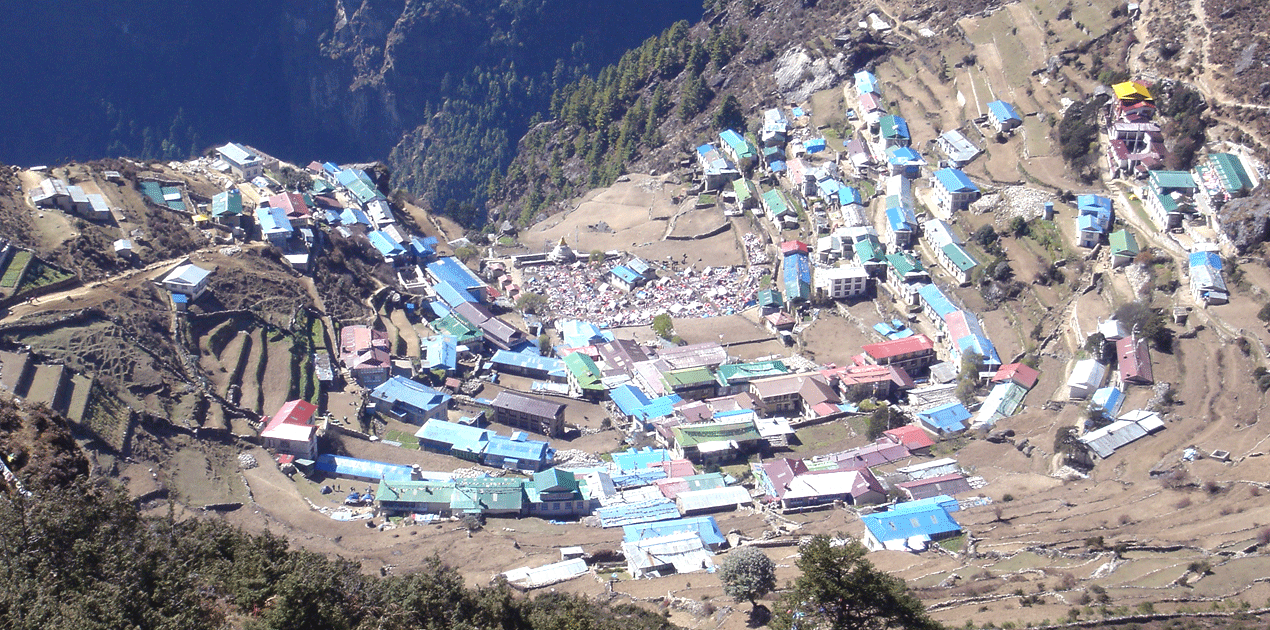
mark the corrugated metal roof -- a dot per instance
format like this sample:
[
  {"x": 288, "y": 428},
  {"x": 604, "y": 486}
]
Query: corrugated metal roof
[
  {"x": 704, "y": 526},
  {"x": 924, "y": 518},
  {"x": 634, "y": 513},
  {"x": 717, "y": 498},
  {"x": 363, "y": 468}
]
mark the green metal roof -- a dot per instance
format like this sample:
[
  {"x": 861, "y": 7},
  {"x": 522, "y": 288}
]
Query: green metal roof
[
  {"x": 744, "y": 188},
  {"x": 415, "y": 491},
  {"x": 555, "y": 480},
  {"x": 1123, "y": 243},
  {"x": 463, "y": 330},
  {"x": 1172, "y": 179},
  {"x": 1231, "y": 171},
  {"x": 775, "y": 202},
  {"x": 694, "y": 434},
  {"x": 770, "y": 297},
  {"x": 869, "y": 250},
  {"x": 904, "y": 263},
  {"x": 584, "y": 370},
  {"x": 488, "y": 494},
  {"x": 743, "y": 372},
  {"x": 707, "y": 481},
  {"x": 959, "y": 257},
  {"x": 688, "y": 377}
]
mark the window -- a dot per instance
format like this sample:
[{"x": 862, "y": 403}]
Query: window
[
  {"x": 914, "y": 522},
  {"x": 934, "y": 520},
  {"x": 555, "y": 506},
  {"x": 892, "y": 524}
]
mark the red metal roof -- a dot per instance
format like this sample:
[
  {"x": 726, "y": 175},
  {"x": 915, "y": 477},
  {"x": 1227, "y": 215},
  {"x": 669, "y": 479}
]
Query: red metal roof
[
  {"x": 292, "y": 203},
  {"x": 911, "y": 436},
  {"x": 793, "y": 247},
  {"x": 1135, "y": 361},
  {"x": 899, "y": 347},
  {"x": 1017, "y": 372}
]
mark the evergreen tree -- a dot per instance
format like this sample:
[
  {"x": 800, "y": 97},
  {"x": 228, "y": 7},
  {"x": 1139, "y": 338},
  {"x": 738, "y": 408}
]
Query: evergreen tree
[{"x": 840, "y": 590}]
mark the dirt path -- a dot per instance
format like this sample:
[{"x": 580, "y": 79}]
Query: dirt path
[{"x": 106, "y": 288}]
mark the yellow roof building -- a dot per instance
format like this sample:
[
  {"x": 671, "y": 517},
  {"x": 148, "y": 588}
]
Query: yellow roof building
[{"x": 1132, "y": 91}]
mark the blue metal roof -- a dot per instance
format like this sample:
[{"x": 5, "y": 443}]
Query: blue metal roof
[
  {"x": 1212, "y": 259},
  {"x": 452, "y": 296},
  {"x": 400, "y": 389},
  {"x": 629, "y": 399},
  {"x": 900, "y": 220},
  {"x": 273, "y": 220},
  {"x": 903, "y": 155},
  {"x": 849, "y": 195},
  {"x": 550, "y": 365},
  {"x": 422, "y": 248},
  {"x": 1093, "y": 204},
  {"x": 632, "y": 459},
  {"x": 977, "y": 341},
  {"x": 954, "y": 180},
  {"x": 1109, "y": 398},
  {"x": 947, "y": 417},
  {"x": 439, "y": 351},
  {"x": 577, "y": 333},
  {"x": 938, "y": 302},
  {"x": 1002, "y": 110},
  {"x": 459, "y": 437},
  {"x": 796, "y": 276},
  {"x": 353, "y": 467},
  {"x": 353, "y": 216},
  {"x": 865, "y": 82},
  {"x": 925, "y": 518},
  {"x": 625, "y": 274},
  {"x": 635, "y": 513},
  {"x": 637, "y": 478},
  {"x": 450, "y": 270},
  {"x": 523, "y": 450},
  {"x": 815, "y": 145},
  {"x": 705, "y": 526},
  {"x": 385, "y": 244}
]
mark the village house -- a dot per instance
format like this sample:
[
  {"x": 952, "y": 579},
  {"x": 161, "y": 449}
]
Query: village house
[
  {"x": 408, "y": 401},
  {"x": 894, "y": 131},
  {"x": 583, "y": 376},
  {"x": 857, "y": 382},
  {"x": 1086, "y": 377},
  {"x": 188, "y": 279},
  {"x": 945, "y": 420},
  {"x": 911, "y": 526},
  {"x": 530, "y": 413},
  {"x": 517, "y": 452},
  {"x": 905, "y": 274},
  {"x": 1208, "y": 287},
  {"x": 1124, "y": 247},
  {"x": 715, "y": 442},
  {"x": 912, "y": 354},
  {"x": 741, "y": 151},
  {"x": 245, "y": 164},
  {"x": 554, "y": 493},
  {"x": 364, "y": 352},
  {"x": 1094, "y": 218},
  {"x": 953, "y": 190},
  {"x": 274, "y": 225},
  {"x": 1003, "y": 117},
  {"x": 1223, "y": 177},
  {"x": 494, "y": 329},
  {"x": 291, "y": 430},
  {"x": 841, "y": 282},
  {"x": 227, "y": 208},
  {"x": 1134, "y": 361},
  {"x": 957, "y": 147},
  {"x": 716, "y": 170},
  {"x": 1169, "y": 197},
  {"x": 805, "y": 395}
]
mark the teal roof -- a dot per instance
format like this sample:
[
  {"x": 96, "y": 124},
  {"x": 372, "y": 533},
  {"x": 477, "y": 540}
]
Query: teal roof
[
  {"x": 770, "y": 297},
  {"x": 228, "y": 203},
  {"x": 688, "y": 377},
  {"x": 904, "y": 263},
  {"x": 408, "y": 491},
  {"x": 959, "y": 257},
  {"x": 1231, "y": 171},
  {"x": 555, "y": 480},
  {"x": 744, "y": 188},
  {"x": 744, "y": 372},
  {"x": 869, "y": 250},
  {"x": 485, "y": 494},
  {"x": 1172, "y": 180}
]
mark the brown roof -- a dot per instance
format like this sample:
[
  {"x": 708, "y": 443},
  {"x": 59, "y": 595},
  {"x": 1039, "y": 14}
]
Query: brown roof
[
  {"x": 1135, "y": 361},
  {"x": 532, "y": 405}
]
